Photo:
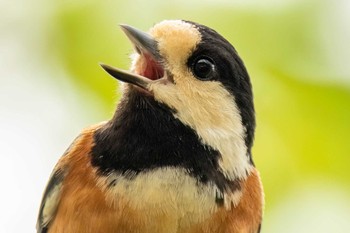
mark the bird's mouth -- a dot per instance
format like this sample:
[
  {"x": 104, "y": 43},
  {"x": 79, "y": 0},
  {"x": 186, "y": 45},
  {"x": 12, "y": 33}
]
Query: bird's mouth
[{"x": 150, "y": 68}]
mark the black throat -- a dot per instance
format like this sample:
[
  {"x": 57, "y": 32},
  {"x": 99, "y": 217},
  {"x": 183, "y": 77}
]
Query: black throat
[{"x": 144, "y": 135}]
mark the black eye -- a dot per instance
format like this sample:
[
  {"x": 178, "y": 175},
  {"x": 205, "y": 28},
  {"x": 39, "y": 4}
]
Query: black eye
[{"x": 204, "y": 69}]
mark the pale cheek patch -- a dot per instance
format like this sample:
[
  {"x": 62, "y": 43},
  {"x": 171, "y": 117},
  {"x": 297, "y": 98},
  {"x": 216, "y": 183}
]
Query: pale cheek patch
[{"x": 209, "y": 109}]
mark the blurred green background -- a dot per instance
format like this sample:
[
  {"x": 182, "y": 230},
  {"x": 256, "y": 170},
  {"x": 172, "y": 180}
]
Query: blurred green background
[{"x": 297, "y": 54}]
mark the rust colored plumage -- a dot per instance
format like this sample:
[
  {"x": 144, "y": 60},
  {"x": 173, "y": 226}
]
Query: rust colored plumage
[{"x": 83, "y": 206}]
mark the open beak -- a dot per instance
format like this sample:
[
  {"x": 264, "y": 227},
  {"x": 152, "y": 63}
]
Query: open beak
[{"x": 146, "y": 46}]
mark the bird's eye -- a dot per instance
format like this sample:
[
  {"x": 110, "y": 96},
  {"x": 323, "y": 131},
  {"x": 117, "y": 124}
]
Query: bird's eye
[{"x": 204, "y": 69}]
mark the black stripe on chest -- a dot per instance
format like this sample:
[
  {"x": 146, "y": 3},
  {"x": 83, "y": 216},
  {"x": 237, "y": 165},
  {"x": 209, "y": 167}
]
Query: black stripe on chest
[{"x": 144, "y": 135}]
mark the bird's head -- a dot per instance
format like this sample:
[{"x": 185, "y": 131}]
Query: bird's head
[{"x": 198, "y": 74}]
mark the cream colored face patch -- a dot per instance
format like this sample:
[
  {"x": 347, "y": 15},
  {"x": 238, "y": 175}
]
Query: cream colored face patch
[
  {"x": 205, "y": 106},
  {"x": 209, "y": 109}
]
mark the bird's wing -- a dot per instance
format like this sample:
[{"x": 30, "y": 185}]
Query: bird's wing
[
  {"x": 50, "y": 200},
  {"x": 52, "y": 194}
]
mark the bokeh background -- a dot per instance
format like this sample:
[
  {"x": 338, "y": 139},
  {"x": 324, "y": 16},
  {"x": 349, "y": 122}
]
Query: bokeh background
[{"x": 297, "y": 53}]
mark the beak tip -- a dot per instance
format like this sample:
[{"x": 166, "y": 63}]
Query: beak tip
[
  {"x": 107, "y": 68},
  {"x": 126, "y": 28},
  {"x": 104, "y": 66}
]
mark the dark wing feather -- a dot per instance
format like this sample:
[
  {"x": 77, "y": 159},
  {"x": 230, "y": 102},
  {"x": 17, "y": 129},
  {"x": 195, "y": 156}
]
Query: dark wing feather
[{"x": 259, "y": 229}]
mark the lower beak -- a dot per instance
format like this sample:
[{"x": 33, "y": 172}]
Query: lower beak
[
  {"x": 144, "y": 45},
  {"x": 126, "y": 76}
]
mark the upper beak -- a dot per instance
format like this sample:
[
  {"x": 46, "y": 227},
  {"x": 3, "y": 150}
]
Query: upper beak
[{"x": 144, "y": 44}]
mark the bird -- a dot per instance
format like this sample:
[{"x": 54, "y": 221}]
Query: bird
[{"x": 176, "y": 156}]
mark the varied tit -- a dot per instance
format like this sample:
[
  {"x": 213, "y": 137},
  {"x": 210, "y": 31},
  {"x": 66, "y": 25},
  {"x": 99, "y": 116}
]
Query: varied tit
[{"x": 176, "y": 156}]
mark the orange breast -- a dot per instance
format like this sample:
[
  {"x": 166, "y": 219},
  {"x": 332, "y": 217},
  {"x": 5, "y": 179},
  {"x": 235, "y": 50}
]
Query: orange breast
[{"x": 83, "y": 207}]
